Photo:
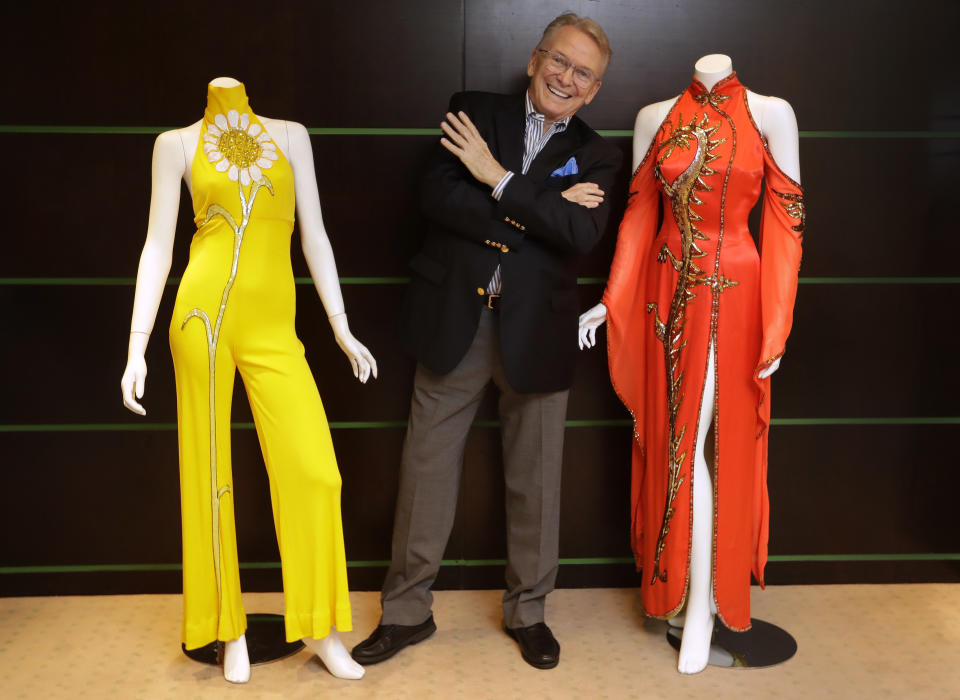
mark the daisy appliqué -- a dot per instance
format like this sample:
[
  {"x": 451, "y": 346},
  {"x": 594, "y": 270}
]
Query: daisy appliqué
[{"x": 239, "y": 147}]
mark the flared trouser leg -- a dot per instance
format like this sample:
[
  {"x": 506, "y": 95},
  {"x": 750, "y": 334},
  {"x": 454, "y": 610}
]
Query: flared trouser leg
[
  {"x": 305, "y": 490},
  {"x": 212, "y": 604}
]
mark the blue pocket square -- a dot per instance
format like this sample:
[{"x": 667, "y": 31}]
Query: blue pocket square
[{"x": 569, "y": 168}]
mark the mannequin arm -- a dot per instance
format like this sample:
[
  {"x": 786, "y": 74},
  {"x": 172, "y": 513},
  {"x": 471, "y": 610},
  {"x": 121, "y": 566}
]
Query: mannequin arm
[
  {"x": 319, "y": 253},
  {"x": 167, "y": 170},
  {"x": 774, "y": 366},
  {"x": 779, "y": 128},
  {"x": 590, "y": 321}
]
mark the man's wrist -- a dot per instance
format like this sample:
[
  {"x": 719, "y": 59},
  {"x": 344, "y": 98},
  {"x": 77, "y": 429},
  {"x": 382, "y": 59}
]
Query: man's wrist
[{"x": 501, "y": 185}]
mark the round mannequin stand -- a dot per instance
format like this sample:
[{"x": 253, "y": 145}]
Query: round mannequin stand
[
  {"x": 762, "y": 645},
  {"x": 266, "y": 642}
]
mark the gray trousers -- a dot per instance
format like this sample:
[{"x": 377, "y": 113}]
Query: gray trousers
[{"x": 441, "y": 412}]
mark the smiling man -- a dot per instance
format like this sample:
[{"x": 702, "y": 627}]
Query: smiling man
[{"x": 514, "y": 195}]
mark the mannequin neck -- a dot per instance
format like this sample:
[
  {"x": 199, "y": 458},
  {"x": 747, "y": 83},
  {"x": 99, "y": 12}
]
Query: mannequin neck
[
  {"x": 711, "y": 69},
  {"x": 224, "y": 82}
]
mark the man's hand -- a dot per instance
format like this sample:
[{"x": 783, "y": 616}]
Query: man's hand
[
  {"x": 466, "y": 143},
  {"x": 586, "y": 194}
]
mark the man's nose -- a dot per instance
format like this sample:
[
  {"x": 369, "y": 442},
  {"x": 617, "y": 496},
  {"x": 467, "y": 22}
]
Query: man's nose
[{"x": 566, "y": 77}]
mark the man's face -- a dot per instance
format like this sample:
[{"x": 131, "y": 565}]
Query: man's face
[{"x": 557, "y": 95}]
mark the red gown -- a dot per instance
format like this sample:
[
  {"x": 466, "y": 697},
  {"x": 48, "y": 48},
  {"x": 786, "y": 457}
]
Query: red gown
[{"x": 670, "y": 294}]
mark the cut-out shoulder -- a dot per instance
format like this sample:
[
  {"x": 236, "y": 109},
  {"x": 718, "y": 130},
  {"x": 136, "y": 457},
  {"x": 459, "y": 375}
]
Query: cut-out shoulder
[{"x": 647, "y": 124}]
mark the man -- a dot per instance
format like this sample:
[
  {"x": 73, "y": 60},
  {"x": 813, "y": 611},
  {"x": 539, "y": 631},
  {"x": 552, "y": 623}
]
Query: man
[{"x": 514, "y": 195}]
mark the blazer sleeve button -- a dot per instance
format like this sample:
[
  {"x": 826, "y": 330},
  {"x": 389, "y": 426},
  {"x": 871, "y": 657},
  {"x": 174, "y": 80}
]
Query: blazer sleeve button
[{"x": 505, "y": 249}]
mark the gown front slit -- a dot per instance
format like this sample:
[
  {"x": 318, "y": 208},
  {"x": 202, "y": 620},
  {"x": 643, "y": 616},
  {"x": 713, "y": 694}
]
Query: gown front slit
[
  {"x": 700, "y": 281},
  {"x": 235, "y": 311}
]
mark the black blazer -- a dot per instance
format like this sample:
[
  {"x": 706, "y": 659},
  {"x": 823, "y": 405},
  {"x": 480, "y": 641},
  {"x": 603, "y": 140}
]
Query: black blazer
[{"x": 532, "y": 232}]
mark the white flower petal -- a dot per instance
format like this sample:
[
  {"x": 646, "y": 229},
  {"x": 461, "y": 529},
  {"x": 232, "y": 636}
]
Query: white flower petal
[
  {"x": 272, "y": 155},
  {"x": 268, "y": 145},
  {"x": 254, "y": 129},
  {"x": 244, "y": 121},
  {"x": 221, "y": 121},
  {"x": 212, "y": 129},
  {"x": 207, "y": 147},
  {"x": 223, "y": 165},
  {"x": 210, "y": 138},
  {"x": 233, "y": 173},
  {"x": 264, "y": 163},
  {"x": 255, "y": 173},
  {"x": 233, "y": 118},
  {"x": 244, "y": 177},
  {"x": 263, "y": 137},
  {"x": 214, "y": 156}
]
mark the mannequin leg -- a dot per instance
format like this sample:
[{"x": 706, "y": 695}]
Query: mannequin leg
[
  {"x": 701, "y": 608},
  {"x": 335, "y": 656},
  {"x": 236, "y": 662}
]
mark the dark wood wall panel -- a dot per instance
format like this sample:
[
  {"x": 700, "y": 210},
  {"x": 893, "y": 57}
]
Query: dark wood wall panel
[
  {"x": 320, "y": 63},
  {"x": 832, "y": 61},
  {"x": 880, "y": 205},
  {"x": 862, "y": 489}
]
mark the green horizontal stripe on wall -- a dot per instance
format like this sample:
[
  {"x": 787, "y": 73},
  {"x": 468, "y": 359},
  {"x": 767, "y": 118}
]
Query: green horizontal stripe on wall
[
  {"x": 570, "y": 561},
  {"x": 433, "y": 131},
  {"x": 374, "y": 281},
  {"x": 368, "y": 425}
]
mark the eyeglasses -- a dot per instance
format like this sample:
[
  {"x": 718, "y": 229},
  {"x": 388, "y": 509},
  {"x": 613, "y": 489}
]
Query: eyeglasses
[{"x": 558, "y": 63}]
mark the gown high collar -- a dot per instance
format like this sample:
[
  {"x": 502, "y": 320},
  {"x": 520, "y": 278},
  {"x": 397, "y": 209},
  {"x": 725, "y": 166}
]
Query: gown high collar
[{"x": 725, "y": 88}]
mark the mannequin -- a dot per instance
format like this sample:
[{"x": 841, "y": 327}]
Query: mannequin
[
  {"x": 775, "y": 121},
  {"x": 173, "y": 159}
]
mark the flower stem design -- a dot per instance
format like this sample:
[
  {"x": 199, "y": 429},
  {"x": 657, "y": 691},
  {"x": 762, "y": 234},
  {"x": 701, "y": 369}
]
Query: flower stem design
[{"x": 213, "y": 336}]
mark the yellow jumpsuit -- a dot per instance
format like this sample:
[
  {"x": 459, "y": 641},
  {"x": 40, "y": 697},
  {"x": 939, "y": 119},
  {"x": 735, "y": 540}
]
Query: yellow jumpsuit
[{"x": 235, "y": 310}]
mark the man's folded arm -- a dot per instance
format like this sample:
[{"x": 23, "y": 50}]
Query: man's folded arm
[
  {"x": 550, "y": 218},
  {"x": 451, "y": 197}
]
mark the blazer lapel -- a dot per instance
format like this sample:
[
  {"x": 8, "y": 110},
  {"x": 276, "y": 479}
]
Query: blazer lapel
[
  {"x": 554, "y": 154},
  {"x": 510, "y": 124}
]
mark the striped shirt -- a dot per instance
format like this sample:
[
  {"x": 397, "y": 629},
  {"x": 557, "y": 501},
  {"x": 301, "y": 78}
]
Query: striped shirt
[{"x": 534, "y": 139}]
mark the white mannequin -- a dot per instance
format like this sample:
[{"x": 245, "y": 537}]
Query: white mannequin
[
  {"x": 777, "y": 123},
  {"x": 173, "y": 155}
]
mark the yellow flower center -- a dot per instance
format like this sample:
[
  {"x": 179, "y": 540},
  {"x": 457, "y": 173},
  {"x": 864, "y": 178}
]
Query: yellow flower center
[{"x": 239, "y": 147}]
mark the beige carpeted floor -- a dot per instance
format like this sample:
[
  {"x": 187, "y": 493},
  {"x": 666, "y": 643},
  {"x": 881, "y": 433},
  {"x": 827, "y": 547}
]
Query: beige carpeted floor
[{"x": 854, "y": 642}]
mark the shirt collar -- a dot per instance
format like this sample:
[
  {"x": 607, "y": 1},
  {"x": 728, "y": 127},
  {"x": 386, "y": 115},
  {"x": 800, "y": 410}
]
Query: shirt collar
[{"x": 532, "y": 113}]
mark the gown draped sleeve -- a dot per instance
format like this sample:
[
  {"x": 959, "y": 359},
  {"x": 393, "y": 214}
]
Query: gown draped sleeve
[
  {"x": 781, "y": 231},
  {"x": 782, "y": 220},
  {"x": 627, "y": 314}
]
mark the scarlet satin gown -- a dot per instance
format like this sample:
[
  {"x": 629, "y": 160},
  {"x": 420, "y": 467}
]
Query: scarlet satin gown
[{"x": 671, "y": 293}]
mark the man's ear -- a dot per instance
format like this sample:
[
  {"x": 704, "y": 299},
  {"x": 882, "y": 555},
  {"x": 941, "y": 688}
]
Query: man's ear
[
  {"x": 593, "y": 91},
  {"x": 532, "y": 64}
]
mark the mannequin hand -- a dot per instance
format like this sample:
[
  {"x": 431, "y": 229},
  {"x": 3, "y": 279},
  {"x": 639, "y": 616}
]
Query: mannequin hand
[
  {"x": 133, "y": 383},
  {"x": 465, "y": 142},
  {"x": 774, "y": 366},
  {"x": 361, "y": 360},
  {"x": 586, "y": 194},
  {"x": 590, "y": 321}
]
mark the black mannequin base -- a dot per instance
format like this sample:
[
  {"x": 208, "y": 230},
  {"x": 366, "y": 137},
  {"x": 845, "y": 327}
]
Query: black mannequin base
[
  {"x": 266, "y": 642},
  {"x": 762, "y": 645}
]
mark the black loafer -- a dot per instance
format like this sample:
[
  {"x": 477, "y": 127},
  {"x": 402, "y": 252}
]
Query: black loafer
[
  {"x": 538, "y": 646},
  {"x": 387, "y": 640}
]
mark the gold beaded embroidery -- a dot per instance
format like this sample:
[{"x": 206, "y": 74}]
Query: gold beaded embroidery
[
  {"x": 682, "y": 193},
  {"x": 239, "y": 147},
  {"x": 793, "y": 204}
]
